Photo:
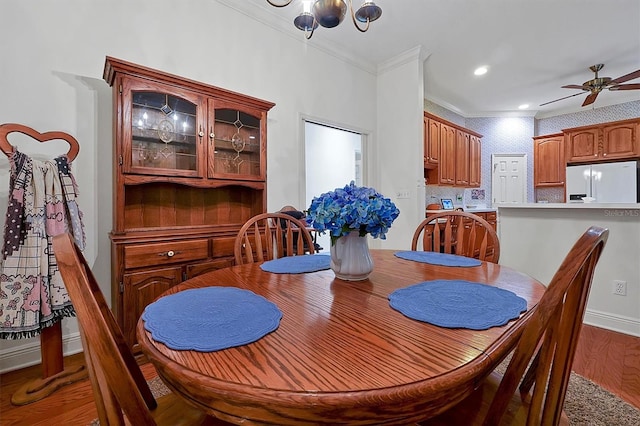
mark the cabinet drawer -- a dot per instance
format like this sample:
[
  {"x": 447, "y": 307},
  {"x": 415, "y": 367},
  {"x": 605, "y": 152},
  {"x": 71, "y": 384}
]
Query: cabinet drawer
[
  {"x": 223, "y": 246},
  {"x": 136, "y": 256},
  {"x": 204, "y": 267}
]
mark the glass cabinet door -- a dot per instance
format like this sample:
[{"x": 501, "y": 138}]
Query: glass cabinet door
[
  {"x": 236, "y": 148},
  {"x": 165, "y": 133}
]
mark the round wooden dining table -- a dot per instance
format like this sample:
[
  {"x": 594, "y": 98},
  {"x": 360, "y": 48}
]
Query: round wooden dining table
[{"x": 341, "y": 354}]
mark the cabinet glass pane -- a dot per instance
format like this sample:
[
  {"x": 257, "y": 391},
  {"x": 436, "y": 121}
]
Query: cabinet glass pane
[
  {"x": 237, "y": 143},
  {"x": 163, "y": 129}
]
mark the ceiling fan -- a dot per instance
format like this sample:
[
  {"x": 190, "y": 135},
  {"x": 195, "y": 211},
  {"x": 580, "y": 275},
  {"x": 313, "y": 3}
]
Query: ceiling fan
[{"x": 598, "y": 84}]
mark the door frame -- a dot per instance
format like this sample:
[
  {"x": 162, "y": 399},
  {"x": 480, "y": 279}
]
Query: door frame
[{"x": 366, "y": 152}]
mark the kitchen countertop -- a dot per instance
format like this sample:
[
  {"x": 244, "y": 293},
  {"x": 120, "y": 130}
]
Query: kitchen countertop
[
  {"x": 609, "y": 206},
  {"x": 478, "y": 210}
]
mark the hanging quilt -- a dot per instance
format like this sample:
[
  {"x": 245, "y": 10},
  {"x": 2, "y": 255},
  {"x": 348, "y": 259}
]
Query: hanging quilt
[{"x": 42, "y": 203}]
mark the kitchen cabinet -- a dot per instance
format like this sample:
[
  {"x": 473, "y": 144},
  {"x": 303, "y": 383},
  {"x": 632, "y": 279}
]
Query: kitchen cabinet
[
  {"x": 431, "y": 142},
  {"x": 617, "y": 140},
  {"x": 621, "y": 140},
  {"x": 462, "y": 158},
  {"x": 475, "y": 161},
  {"x": 458, "y": 161},
  {"x": 189, "y": 169},
  {"x": 548, "y": 160},
  {"x": 447, "y": 164}
]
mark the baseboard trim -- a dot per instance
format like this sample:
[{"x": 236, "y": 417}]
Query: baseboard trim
[
  {"x": 27, "y": 355},
  {"x": 615, "y": 323}
]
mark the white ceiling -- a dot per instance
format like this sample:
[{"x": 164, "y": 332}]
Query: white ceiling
[{"x": 532, "y": 48}]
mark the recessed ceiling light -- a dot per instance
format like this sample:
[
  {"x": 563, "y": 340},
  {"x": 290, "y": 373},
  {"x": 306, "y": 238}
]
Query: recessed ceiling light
[
  {"x": 523, "y": 106},
  {"x": 481, "y": 70}
]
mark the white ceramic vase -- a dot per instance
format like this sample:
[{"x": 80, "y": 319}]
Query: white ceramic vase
[{"x": 350, "y": 257}]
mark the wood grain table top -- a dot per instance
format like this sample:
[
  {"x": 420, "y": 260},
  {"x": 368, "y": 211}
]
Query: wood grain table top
[{"x": 341, "y": 354}]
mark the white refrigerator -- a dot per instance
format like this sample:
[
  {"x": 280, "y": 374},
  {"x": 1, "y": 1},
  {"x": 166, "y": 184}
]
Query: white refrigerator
[{"x": 604, "y": 183}]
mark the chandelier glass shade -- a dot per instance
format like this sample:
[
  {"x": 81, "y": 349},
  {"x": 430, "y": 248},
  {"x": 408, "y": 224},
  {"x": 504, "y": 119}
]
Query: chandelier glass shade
[{"x": 330, "y": 13}]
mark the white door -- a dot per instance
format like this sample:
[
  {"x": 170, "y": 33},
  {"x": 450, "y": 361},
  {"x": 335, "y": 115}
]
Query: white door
[{"x": 509, "y": 178}]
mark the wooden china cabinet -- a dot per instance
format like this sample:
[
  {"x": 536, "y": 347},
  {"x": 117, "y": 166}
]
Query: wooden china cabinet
[{"x": 189, "y": 170}]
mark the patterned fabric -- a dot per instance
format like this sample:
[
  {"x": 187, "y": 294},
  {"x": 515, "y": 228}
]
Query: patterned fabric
[{"x": 42, "y": 203}]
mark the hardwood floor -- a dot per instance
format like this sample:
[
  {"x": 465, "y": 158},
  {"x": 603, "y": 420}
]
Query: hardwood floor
[
  {"x": 607, "y": 358},
  {"x": 611, "y": 360}
]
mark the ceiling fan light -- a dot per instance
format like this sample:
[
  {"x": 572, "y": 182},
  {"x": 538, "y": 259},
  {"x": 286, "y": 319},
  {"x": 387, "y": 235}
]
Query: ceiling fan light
[
  {"x": 305, "y": 22},
  {"x": 369, "y": 11},
  {"x": 329, "y": 13}
]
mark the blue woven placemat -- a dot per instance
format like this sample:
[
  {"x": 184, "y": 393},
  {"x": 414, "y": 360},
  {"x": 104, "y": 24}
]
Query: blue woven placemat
[
  {"x": 435, "y": 258},
  {"x": 210, "y": 319},
  {"x": 458, "y": 304},
  {"x": 297, "y": 264}
]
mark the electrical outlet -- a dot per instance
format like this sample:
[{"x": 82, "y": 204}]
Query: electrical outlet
[
  {"x": 405, "y": 193},
  {"x": 620, "y": 287}
]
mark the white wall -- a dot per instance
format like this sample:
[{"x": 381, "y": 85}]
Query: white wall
[
  {"x": 53, "y": 57},
  {"x": 535, "y": 240},
  {"x": 399, "y": 166}
]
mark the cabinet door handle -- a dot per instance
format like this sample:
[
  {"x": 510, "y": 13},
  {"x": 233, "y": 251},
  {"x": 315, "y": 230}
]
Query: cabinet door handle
[
  {"x": 201, "y": 132},
  {"x": 211, "y": 134},
  {"x": 169, "y": 253}
]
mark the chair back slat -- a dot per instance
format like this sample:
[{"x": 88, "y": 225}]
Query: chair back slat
[
  {"x": 456, "y": 232},
  {"x": 275, "y": 235}
]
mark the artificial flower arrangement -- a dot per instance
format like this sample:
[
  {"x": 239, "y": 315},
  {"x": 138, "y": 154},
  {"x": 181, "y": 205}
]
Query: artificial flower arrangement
[{"x": 352, "y": 208}]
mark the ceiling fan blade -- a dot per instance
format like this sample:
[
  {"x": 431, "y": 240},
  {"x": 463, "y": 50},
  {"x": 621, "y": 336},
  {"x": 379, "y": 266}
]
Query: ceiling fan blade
[
  {"x": 626, "y": 87},
  {"x": 590, "y": 99},
  {"x": 575, "y": 86},
  {"x": 627, "y": 77},
  {"x": 566, "y": 97}
]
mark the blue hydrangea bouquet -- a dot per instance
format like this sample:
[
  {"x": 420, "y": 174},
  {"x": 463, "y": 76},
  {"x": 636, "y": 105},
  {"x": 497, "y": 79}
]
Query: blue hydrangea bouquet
[{"x": 352, "y": 208}]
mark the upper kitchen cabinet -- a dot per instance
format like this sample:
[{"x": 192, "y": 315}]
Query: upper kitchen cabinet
[
  {"x": 431, "y": 142},
  {"x": 548, "y": 160},
  {"x": 462, "y": 158},
  {"x": 452, "y": 153},
  {"x": 620, "y": 140},
  {"x": 475, "y": 161},
  {"x": 603, "y": 142}
]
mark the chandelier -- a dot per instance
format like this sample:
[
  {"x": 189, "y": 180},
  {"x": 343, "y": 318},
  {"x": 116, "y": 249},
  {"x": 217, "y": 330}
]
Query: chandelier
[{"x": 329, "y": 14}]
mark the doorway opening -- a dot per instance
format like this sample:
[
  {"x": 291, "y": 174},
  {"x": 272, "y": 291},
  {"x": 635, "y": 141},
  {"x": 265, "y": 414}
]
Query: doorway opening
[{"x": 333, "y": 158}]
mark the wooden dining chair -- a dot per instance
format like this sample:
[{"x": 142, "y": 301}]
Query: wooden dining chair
[
  {"x": 456, "y": 232},
  {"x": 269, "y": 236},
  {"x": 551, "y": 334},
  {"x": 119, "y": 387}
]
